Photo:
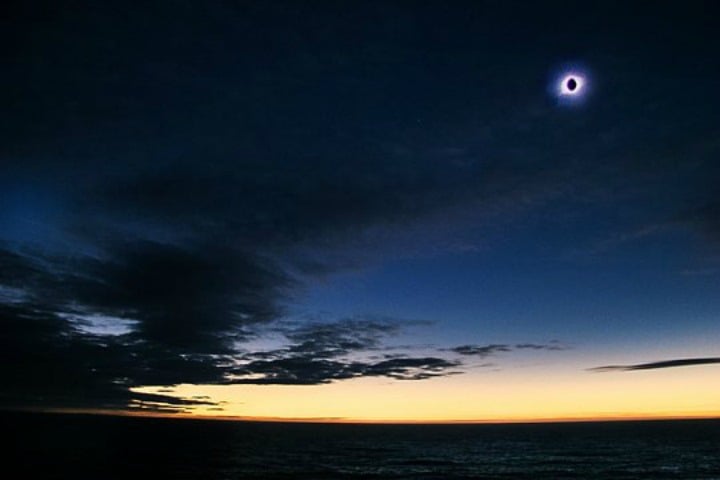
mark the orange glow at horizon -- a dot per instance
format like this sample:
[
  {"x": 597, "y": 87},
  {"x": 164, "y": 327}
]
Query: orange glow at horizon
[{"x": 530, "y": 395}]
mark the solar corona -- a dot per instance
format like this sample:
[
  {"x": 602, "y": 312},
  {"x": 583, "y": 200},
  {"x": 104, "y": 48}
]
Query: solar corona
[{"x": 570, "y": 86}]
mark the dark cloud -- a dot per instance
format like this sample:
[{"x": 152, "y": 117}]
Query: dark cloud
[
  {"x": 552, "y": 346},
  {"x": 191, "y": 297},
  {"x": 307, "y": 370},
  {"x": 481, "y": 350},
  {"x": 326, "y": 340},
  {"x": 492, "y": 349},
  {"x": 45, "y": 362},
  {"x": 184, "y": 323},
  {"x": 190, "y": 310},
  {"x": 323, "y": 352},
  {"x": 682, "y": 362}
]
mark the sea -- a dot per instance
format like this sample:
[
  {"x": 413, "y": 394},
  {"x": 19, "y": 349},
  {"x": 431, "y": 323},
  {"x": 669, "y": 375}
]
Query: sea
[{"x": 64, "y": 446}]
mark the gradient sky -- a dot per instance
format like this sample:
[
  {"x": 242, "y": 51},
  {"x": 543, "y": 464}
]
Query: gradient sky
[{"x": 361, "y": 210}]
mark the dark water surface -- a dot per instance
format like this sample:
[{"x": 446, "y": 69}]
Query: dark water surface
[{"x": 78, "y": 446}]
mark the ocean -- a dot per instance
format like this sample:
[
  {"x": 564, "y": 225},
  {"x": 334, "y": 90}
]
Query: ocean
[{"x": 54, "y": 446}]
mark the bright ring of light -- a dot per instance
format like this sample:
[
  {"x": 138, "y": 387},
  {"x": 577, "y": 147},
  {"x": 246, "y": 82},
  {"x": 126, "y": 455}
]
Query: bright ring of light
[{"x": 571, "y": 85}]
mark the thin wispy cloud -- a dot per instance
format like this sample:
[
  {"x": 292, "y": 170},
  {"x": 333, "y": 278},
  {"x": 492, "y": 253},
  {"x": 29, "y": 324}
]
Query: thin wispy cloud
[
  {"x": 681, "y": 362},
  {"x": 493, "y": 349}
]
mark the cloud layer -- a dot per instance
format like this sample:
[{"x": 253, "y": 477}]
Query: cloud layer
[
  {"x": 190, "y": 315},
  {"x": 680, "y": 362},
  {"x": 492, "y": 349}
]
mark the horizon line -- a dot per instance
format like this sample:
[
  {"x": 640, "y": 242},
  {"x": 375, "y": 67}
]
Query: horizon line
[{"x": 351, "y": 421}]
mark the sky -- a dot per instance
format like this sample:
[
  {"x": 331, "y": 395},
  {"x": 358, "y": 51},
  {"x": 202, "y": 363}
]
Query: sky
[{"x": 361, "y": 211}]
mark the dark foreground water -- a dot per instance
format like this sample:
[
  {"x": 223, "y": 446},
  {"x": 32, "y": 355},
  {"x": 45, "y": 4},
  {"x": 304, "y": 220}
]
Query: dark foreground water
[{"x": 75, "y": 447}]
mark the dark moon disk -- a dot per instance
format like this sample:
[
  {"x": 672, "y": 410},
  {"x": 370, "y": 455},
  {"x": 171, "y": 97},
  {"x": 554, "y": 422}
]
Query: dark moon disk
[{"x": 571, "y": 84}]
